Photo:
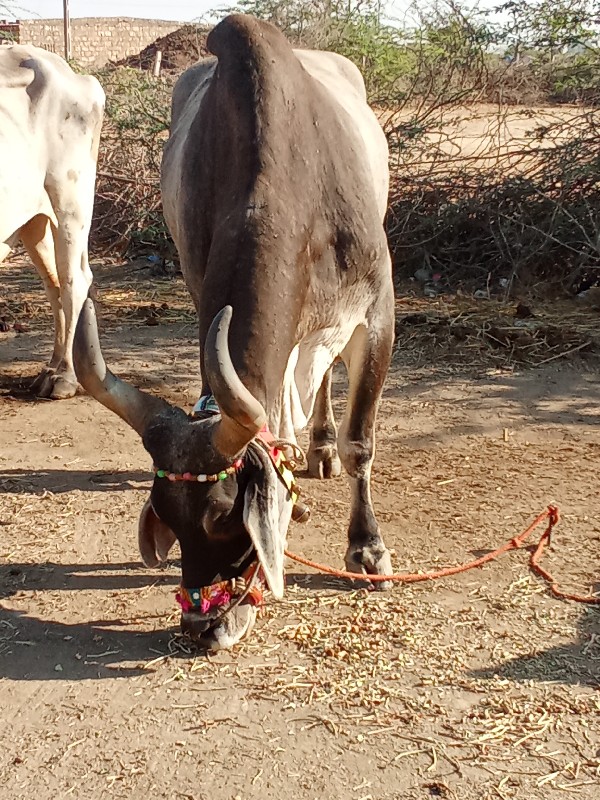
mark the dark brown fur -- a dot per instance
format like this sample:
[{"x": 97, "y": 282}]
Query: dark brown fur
[
  {"x": 276, "y": 218},
  {"x": 268, "y": 229}
]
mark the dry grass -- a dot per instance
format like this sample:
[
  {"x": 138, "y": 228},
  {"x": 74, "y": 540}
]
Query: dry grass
[
  {"x": 507, "y": 333},
  {"x": 474, "y": 688}
]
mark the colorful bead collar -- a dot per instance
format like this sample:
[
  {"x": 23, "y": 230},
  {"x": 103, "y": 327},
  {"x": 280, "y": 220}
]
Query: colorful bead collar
[
  {"x": 187, "y": 476},
  {"x": 205, "y": 405}
]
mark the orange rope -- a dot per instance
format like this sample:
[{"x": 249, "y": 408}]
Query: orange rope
[
  {"x": 551, "y": 514},
  {"x": 535, "y": 567}
]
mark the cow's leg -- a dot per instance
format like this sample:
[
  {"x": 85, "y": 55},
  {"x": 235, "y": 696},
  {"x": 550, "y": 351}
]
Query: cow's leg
[
  {"x": 367, "y": 358},
  {"x": 75, "y": 276},
  {"x": 72, "y": 197},
  {"x": 36, "y": 235},
  {"x": 323, "y": 459},
  {"x": 5, "y": 249}
]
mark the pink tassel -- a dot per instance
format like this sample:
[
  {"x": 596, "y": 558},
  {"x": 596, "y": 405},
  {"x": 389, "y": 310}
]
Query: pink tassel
[{"x": 183, "y": 602}]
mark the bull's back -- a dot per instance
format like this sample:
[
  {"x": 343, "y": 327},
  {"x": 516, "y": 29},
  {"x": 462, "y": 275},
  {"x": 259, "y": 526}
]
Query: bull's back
[
  {"x": 344, "y": 86},
  {"x": 186, "y": 100}
]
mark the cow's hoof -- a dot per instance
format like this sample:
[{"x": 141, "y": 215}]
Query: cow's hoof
[
  {"x": 53, "y": 385},
  {"x": 42, "y": 385},
  {"x": 324, "y": 462},
  {"x": 370, "y": 560}
]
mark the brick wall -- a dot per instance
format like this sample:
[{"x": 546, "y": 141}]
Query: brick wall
[{"x": 95, "y": 40}]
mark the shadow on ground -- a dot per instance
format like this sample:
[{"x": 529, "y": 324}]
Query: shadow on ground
[
  {"x": 577, "y": 663},
  {"x": 48, "y": 576},
  {"x": 59, "y": 481},
  {"x": 33, "y": 649}
]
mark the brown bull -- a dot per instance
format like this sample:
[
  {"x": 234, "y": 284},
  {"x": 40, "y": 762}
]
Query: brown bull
[{"x": 274, "y": 184}]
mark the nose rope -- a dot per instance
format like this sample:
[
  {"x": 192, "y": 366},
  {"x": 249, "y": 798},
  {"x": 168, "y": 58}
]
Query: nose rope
[
  {"x": 257, "y": 599},
  {"x": 298, "y": 456},
  {"x": 219, "y": 595},
  {"x": 284, "y": 466}
]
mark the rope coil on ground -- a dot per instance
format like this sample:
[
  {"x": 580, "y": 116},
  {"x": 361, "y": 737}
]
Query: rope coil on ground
[{"x": 551, "y": 514}]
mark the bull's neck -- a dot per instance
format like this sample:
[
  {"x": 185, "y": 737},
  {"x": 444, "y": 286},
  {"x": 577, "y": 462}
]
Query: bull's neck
[
  {"x": 263, "y": 288},
  {"x": 260, "y": 217}
]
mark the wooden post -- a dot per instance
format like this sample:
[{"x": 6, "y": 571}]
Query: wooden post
[
  {"x": 157, "y": 62},
  {"x": 67, "y": 29}
]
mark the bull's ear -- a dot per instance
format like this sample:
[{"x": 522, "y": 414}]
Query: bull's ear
[
  {"x": 154, "y": 537},
  {"x": 262, "y": 521}
]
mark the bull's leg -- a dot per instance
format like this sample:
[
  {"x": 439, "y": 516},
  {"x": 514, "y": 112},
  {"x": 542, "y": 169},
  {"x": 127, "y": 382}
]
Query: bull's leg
[
  {"x": 39, "y": 243},
  {"x": 367, "y": 358},
  {"x": 323, "y": 459}
]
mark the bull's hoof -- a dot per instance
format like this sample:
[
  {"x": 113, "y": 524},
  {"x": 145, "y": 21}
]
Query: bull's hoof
[
  {"x": 370, "y": 560},
  {"x": 324, "y": 462},
  {"x": 53, "y": 385}
]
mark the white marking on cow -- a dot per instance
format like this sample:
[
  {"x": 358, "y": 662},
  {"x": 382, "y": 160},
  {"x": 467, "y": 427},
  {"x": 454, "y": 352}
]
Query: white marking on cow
[{"x": 307, "y": 365}]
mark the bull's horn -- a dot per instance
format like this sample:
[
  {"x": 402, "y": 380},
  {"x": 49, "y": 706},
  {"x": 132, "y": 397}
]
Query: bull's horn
[
  {"x": 242, "y": 415},
  {"x": 135, "y": 407}
]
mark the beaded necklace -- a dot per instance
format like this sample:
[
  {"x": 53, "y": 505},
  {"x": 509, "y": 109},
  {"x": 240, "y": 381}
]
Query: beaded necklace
[{"x": 202, "y": 478}]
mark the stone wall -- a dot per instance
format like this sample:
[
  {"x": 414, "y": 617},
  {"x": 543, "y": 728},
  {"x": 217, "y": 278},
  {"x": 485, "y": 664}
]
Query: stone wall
[{"x": 95, "y": 40}]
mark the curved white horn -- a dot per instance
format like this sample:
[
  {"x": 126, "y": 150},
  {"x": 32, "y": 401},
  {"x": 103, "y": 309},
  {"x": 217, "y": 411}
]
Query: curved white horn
[{"x": 242, "y": 414}]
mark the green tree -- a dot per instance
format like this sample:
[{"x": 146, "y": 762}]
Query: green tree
[
  {"x": 549, "y": 27},
  {"x": 561, "y": 40}
]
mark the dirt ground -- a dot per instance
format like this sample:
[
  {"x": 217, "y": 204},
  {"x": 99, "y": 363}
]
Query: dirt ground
[
  {"x": 475, "y": 687},
  {"x": 488, "y": 132}
]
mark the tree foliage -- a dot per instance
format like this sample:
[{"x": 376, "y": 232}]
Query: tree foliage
[{"x": 527, "y": 213}]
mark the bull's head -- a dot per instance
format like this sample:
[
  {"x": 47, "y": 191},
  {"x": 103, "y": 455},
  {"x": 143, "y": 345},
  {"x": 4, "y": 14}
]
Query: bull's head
[{"x": 228, "y": 527}]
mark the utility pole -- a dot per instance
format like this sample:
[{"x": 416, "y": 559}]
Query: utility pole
[{"x": 67, "y": 29}]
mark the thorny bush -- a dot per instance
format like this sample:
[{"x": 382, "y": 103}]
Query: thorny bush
[
  {"x": 527, "y": 211},
  {"x": 519, "y": 214},
  {"x": 128, "y": 211}
]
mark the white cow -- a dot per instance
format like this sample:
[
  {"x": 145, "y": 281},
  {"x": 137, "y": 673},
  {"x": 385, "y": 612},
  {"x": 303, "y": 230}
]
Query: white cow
[{"x": 50, "y": 121}]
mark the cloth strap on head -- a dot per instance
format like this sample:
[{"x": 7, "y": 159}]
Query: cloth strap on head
[
  {"x": 206, "y": 405},
  {"x": 220, "y": 594}
]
